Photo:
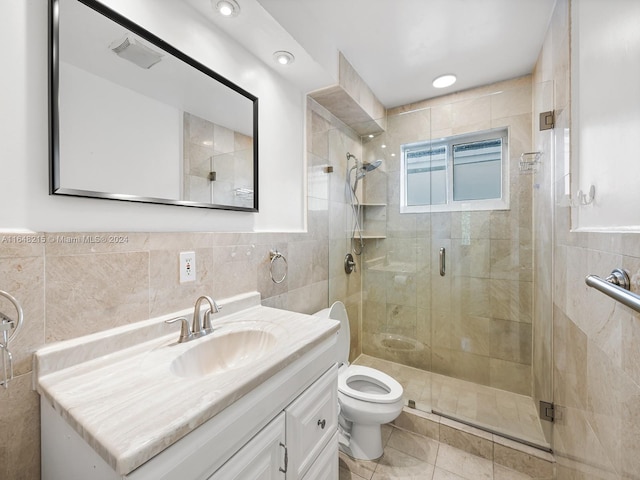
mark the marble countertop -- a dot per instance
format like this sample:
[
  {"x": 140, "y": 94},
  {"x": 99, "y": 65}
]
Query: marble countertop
[{"x": 129, "y": 406}]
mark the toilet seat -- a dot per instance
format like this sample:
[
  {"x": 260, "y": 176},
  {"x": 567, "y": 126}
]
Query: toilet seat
[{"x": 381, "y": 387}]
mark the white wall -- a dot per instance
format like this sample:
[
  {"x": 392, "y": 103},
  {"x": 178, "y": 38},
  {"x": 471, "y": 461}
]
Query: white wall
[
  {"x": 605, "y": 48},
  {"x": 143, "y": 152},
  {"x": 24, "y": 178}
]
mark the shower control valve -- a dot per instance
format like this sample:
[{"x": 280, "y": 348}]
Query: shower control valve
[{"x": 349, "y": 263}]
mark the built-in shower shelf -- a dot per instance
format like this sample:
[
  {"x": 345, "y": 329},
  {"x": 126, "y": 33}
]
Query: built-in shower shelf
[
  {"x": 374, "y": 220},
  {"x": 371, "y": 237}
]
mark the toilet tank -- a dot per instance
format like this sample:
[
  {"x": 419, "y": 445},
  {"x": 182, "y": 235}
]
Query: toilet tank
[{"x": 338, "y": 312}]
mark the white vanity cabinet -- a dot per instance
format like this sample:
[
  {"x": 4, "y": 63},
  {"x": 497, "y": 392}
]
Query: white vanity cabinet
[
  {"x": 311, "y": 421},
  {"x": 326, "y": 465},
  {"x": 112, "y": 407},
  {"x": 300, "y": 443},
  {"x": 262, "y": 458}
]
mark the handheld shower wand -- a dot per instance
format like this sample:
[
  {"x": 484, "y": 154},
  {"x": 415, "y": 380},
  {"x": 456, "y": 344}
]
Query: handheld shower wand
[{"x": 361, "y": 168}]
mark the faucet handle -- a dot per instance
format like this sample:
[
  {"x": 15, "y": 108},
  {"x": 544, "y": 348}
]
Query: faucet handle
[
  {"x": 185, "y": 331},
  {"x": 206, "y": 322},
  {"x": 216, "y": 307}
]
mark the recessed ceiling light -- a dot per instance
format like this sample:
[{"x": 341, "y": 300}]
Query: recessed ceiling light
[
  {"x": 283, "y": 57},
  {"x": 444, "y": 81},
  {"x": 227, "y": 8}
]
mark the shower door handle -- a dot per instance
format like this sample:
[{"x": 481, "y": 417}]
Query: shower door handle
[{"x": 443, "y": 258}]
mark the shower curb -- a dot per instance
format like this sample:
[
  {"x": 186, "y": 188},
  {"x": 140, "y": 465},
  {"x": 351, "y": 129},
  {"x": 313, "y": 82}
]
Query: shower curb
[{"x": 536, "y": 463}]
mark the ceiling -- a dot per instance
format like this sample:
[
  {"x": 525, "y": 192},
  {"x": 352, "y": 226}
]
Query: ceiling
[{"x": 397, "y": 46}]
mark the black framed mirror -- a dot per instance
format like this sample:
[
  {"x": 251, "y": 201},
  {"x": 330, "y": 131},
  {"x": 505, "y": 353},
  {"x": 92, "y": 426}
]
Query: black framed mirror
[{"x": 132, "y": 118}]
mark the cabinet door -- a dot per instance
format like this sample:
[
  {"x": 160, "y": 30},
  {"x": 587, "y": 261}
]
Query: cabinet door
[
  {"x": 326, "y": 465},
  {"x": 312, "y": 420},
  {"x": 262, "y": 458}
]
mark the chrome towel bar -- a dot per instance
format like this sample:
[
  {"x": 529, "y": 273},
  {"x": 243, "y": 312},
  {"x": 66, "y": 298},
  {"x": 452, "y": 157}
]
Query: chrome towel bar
[{"x": 617, "y": 287}]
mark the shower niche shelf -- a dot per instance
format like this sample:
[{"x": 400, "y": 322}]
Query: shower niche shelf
[{"x": 374, "y": 220}]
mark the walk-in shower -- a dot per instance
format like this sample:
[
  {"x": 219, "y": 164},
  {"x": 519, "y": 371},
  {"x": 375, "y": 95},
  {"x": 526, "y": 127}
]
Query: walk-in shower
[{"x": 463, "y": 344}]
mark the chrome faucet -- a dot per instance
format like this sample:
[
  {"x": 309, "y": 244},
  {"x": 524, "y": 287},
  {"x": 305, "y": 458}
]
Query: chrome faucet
[{"x": 200, "y": 327}]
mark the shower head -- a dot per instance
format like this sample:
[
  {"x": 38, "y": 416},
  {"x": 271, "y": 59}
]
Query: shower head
[
  {"x": 366, "y": 167},
  {"x": 372, "y": 165},
  {"x": 361, "y": 168}
]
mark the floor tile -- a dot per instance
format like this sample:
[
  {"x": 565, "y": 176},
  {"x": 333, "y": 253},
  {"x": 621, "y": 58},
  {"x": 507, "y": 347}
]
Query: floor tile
[
  {"x": 395, "y": 464},
  {"x": 440, "y": 474},
  {"x": 361, "y": 468},
  {"x": 504, "y": 473},
  {"x": 410, "y": 456},
  {"x": 415, "y": 445},
  {"x": 487, "y": 407},
  {"x": 346, "y": 474},
  {"x": 464, "y": 464}
]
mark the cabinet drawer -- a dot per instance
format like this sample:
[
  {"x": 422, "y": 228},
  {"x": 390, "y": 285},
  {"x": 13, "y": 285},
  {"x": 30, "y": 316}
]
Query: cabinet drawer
[
  {"x": 326, "y": 466},
  {"x": 311, "y": 421}
]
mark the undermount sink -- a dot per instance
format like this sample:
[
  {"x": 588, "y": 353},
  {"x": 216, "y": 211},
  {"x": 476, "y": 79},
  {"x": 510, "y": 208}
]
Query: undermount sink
[{"x": 223, "y": 351}]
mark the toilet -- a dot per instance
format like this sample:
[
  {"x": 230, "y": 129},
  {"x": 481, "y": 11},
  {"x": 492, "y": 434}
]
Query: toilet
[{"x": 367, "y": 397}]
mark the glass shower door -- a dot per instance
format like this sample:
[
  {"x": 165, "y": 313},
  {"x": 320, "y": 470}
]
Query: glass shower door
[
  {"x": 396, "y": 265},
  {"x": 447, "y": 291},
  {"x": 482, "y": 308}
]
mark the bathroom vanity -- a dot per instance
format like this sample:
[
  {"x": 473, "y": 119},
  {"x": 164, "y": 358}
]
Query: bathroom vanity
[{"x": 134, "y": 403}]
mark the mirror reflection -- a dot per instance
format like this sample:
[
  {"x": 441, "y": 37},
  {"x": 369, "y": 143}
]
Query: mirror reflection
[{"x": 135, "y": 119}]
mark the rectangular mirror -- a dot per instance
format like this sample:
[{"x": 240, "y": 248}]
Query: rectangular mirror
[{"x": 132, "y": 118}]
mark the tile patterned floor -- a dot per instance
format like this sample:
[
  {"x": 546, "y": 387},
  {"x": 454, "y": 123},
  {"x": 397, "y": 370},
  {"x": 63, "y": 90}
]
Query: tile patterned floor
[
  {"x": 410, "y": 456},
  {"x": 487, "y": 407}
]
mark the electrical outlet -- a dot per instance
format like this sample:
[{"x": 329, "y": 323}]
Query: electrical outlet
[{"x": 187, "y": 267}]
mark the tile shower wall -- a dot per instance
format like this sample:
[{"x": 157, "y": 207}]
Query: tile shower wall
[
  {"x": 328, "y": 142},
  {"x": 596, "y": 341},
  {"x": 475, "y": 323},
  {"x": 72, "y": 284}
]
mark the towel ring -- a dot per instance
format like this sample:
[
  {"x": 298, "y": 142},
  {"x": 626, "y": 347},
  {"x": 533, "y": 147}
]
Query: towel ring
[
  {"x": 6, "y": 324},
  {"x": 275, "y": 254}
]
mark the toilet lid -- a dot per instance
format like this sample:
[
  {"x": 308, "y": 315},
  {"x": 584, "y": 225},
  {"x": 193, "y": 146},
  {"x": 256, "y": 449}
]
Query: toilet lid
[
  {"x": 369, "y": 385},
  {"x": 337, "y": 311}
]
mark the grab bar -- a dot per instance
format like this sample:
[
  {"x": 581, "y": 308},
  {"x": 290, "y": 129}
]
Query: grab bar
[
  {"x": 443, "y": 258},
  {"x": 616, "y": 286}
]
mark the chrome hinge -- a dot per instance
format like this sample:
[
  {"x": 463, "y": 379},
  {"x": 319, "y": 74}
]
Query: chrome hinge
[
  {"x": 547, "y": 411},
  {"x": 547, "y": 120}
]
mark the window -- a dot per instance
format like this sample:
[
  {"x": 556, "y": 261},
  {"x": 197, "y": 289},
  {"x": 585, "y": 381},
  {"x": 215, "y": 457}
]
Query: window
[{"x": 464, "y": 172}]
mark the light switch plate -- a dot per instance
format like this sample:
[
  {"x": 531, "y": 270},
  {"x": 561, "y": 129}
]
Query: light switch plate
[{"x": 187, "y": 267}]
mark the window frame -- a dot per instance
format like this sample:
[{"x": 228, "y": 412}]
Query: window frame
[{"x": 452, "y": 205}]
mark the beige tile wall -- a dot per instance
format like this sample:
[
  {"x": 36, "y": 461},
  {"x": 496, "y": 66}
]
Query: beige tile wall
[
  {"x": 596, "y": 347},
  {"x": 71, "y": 285},
  {"x": 474, "y": 323},
  {"x": 328, "y": 141}
]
